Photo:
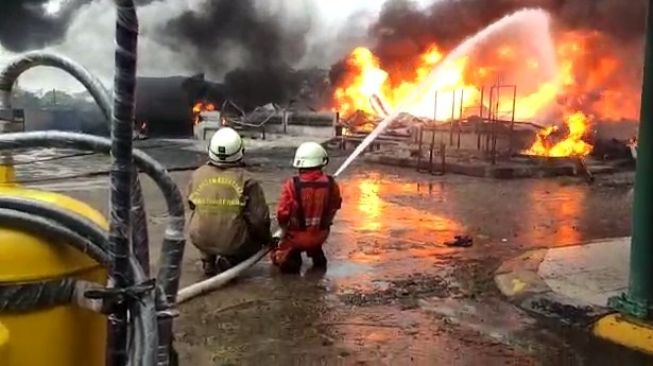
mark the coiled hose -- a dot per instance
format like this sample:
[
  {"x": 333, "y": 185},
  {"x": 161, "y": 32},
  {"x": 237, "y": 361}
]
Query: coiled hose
[
  {"x": 173, "y": 242},
  {"x": 125, "y": 189},
  {"x": 87, "y": 237}
]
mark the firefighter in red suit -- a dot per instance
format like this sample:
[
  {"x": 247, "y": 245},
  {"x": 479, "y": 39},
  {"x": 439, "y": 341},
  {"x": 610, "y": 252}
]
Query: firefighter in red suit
[{"x": 308, "y": 203}]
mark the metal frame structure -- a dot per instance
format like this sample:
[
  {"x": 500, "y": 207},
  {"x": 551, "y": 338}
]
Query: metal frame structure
[{"x": 638, "y": 301}]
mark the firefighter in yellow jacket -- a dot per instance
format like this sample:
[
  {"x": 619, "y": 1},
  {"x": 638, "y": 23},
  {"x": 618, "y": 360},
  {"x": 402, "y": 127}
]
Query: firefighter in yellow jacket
[{"x": 230, "y": 219}]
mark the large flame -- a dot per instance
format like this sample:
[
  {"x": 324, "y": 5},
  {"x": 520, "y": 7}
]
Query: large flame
[
  {"x": 580, "y": 82},
  {"x": 572, "y": 145}
]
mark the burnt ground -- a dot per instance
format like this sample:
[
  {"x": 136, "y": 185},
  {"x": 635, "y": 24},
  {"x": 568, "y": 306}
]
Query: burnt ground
[{"x": 394, "y": 293}]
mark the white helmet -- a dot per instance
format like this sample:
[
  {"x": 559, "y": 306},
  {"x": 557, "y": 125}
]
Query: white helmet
[
  {"x": 310, "y": 155},
  {"x": 226, "y": 146}
]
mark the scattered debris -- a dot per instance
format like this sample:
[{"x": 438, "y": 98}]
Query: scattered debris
[
  {"x": 363, "y": 122},
  {"x": 464, "y": 241},
  {"x": 405, "y": 292},
  {"x": 569, "y": 313}
]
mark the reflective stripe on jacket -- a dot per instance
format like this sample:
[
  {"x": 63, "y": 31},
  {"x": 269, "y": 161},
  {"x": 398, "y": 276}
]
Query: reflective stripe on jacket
[{"x": 230, "y": 215}]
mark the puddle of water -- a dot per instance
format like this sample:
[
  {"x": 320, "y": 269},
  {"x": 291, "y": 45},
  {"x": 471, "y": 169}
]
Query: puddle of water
[{"x": 345, "y": 269}]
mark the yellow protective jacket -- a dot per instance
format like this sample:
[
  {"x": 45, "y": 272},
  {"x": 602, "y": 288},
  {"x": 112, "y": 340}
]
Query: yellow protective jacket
[{"x": 229, "y": 214}]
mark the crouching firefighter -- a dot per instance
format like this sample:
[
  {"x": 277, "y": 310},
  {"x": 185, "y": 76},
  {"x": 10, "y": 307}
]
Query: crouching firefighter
[
  {"x": 308, "y": 203},
  {"x": 230, "y": 220}
]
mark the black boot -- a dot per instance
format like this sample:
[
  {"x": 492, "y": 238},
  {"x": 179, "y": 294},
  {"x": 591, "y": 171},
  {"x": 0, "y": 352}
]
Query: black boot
[
  {"x": 293, "y": 263},
  {"x": 223, "y": 264},
  {"x": 319, "y": 259},
  {"x": 209, "y": 266}
]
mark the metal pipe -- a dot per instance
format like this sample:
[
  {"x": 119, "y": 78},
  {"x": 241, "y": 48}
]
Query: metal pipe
[
  {"x": 494, "y": 125},
  {"x": 638, "y": 301},
  {"x": 443, "y": 157},
  {"x": 512, "y": 121},
  {"x": 435, "y": 108},
  {"x": 489, "y": 120},
  {"x": 434, "y": 130},
  {"x": 453, "y": 116},
  {"x": 431, "y": 149},
  {"x": 478, "y": 126},
  {"x": 460, "y": 116},
  {"x": 420, "y": 135}
]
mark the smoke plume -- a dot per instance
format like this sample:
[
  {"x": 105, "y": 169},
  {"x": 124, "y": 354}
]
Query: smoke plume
[
  {"x": 256, "y": 46},
  {"x": 26, "y": 25},
  {"x": 403, "y": 28},
  {"x": 251, "y": 44}
]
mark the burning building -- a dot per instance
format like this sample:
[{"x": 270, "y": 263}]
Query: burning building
[
  {"x": 169, "y": 106},
  {"x": 569, "y": 75}
]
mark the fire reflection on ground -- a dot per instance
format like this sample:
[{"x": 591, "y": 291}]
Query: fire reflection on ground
[
  {"x": 556, "y": 214},
  {"x": 369, "y": 204},
  {"x": 378, "y": 227}
]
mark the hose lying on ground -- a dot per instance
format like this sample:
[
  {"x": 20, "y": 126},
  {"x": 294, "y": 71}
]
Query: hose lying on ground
[
  {"x": 223, "y": 278},
  {"x": 220, "y": 280}
]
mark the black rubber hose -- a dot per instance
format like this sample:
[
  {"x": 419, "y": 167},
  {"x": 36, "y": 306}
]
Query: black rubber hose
[
  {"x": 124, "y": 85},
  {"x": 139, "y": 234},
  {"x": 172, "y": 248},
  {"x": 24, "y": 62},
  {"x": 44, "y": 227},
  {"x": 89, "y": 230},
  {"x": 174, "y": 201},
  {"x": 174, "y": 240},
  {"x": 76, "y": 231}
]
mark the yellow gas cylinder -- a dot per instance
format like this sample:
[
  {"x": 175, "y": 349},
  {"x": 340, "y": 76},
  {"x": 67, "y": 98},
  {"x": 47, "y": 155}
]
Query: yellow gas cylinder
[
  {"x": 62, "y": 335},
  {"x": 4, "y": 342}
]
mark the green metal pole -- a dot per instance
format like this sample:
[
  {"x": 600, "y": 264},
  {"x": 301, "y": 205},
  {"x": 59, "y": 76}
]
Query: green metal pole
[{"x": 638, "y": 301}]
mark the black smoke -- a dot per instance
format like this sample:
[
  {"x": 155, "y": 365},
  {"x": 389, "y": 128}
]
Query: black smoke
[
  {"x": 225, "y": 26},
  {"x": 25, "y": 26},
  {"x": 264, "y": 46},
  {"x": 404, "y": 30}
]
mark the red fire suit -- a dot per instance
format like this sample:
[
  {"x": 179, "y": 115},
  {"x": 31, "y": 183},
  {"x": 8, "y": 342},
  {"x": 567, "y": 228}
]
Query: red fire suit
[{"x": 306, "y": 209}]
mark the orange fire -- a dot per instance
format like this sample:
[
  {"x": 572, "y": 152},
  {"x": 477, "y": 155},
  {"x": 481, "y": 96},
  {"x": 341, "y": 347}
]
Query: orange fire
[
  {"x": 572, "y": 145},
  {"x": 582, "y": 78},
  {"x": 200, "y": 107}
]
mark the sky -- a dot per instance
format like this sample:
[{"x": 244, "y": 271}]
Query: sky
[{"x": 89, "y": 39}]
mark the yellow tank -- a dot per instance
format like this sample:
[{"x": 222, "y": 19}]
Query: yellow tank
[
  {"x": 4, "y": 342},
  {"x": 61, "y": 335}
]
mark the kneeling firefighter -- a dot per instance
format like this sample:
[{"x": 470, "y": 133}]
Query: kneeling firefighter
[
  {"x": 308, "y": 203},
  {"x": 230, "y": 220}
]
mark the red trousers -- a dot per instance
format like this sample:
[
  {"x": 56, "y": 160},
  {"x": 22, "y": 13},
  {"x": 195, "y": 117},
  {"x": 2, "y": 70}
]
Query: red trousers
[{"x": 287, "y": 256}]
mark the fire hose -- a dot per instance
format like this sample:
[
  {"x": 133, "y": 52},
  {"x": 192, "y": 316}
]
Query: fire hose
[
  {"x": 215, "y": 282},
  {"x": 126, "y": 198},
  {"x": 83, "y": 235},
  {"x": 172, "y": 247}
]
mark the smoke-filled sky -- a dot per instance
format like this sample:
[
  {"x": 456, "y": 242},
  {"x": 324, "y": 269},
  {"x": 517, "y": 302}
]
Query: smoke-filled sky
[
  {"x": 219, "y": 36},
  {"x": 186, "y": 36}
]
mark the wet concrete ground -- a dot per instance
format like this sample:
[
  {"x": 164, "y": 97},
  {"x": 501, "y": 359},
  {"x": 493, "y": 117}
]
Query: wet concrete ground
[{"x": 394, "y": 294}]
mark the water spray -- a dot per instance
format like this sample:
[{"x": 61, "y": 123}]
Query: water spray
[{"x": 423, "y": 88}]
